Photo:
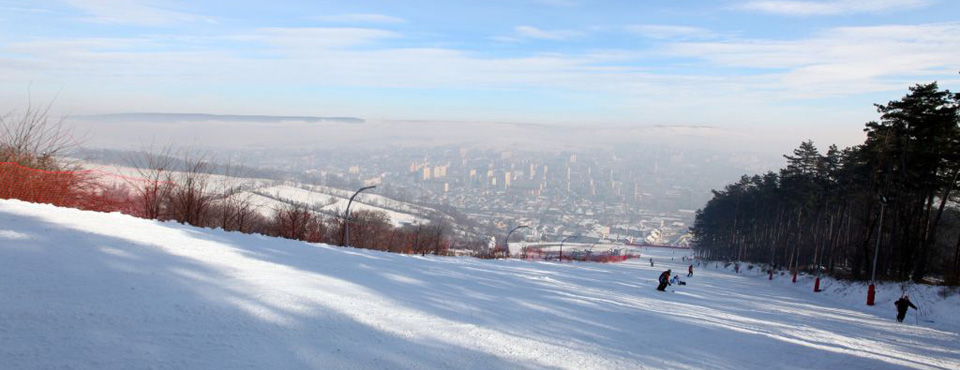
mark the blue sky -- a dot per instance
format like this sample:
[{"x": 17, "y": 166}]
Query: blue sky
[{"x": 725, "y": 63}]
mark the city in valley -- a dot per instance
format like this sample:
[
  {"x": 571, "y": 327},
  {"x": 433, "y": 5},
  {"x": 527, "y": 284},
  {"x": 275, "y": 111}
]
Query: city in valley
[{"x": 621, "y": 193}]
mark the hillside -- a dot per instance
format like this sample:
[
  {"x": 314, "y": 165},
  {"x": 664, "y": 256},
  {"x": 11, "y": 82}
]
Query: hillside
[
  {"x": 87, "y": 290},
  {"x": 267, "y": 195}
]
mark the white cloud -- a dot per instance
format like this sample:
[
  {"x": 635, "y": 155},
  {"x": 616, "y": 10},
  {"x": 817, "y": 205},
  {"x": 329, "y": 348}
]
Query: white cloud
[
  {"x": 656, "y": 31},
  {"x": 830, "y": 7},
  {"x": 35, "y": 10},
  {"x": 140, "y": 12},
  {"x": 556, "y": 2},
  {"x": 536, "y": 33},
  {"x": 359, "y": 18},
  {"x": 836, "y": 62},
  {"x": 839, "y": 61},
  {"x": 317, "y": 39},
  {"x": 316, "y": 56}
]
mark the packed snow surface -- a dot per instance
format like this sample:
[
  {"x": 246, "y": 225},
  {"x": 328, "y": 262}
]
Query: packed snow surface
[{"x": 84, "y": 290}]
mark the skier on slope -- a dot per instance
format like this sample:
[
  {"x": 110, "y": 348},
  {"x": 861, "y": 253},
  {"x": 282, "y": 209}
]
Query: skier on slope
[
  {"x": 651, "y": 262},
  {"x": 690, "y": 271},
  {"x": 902, "y": 305},
  {"x": 664, "y": 280}
]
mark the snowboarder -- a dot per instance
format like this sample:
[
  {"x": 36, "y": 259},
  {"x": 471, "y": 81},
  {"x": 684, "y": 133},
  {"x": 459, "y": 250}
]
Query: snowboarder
[
  {"x": 690, "y": 271},
  {"x": 902, "y": 305},
  {"x": 651, "y": 262},
  {"x": 664, "y": 280}
]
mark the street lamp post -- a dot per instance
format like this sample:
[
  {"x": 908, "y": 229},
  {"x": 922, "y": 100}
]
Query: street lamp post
[
  {"x": 506, "y": 243},
  {"x": 561, "y": 246},
  {"x": 872, "y": 290},
  {"x": 346, "y": 216}
]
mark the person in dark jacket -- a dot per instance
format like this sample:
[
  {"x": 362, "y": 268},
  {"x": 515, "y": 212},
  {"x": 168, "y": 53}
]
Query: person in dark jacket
[
  {"x": 690, "y": 271},
  {"x": 664, "y": 280},
  {"x": 902, "y": 305}
]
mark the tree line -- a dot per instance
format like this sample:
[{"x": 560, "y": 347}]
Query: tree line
[{"x": 829, "y": 212}]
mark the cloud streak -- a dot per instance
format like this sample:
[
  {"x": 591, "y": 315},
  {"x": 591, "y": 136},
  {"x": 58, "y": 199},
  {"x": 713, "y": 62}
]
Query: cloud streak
[
  {"x": 839, "y": 61},
  {"x": 658, "y": 31},
  {"x": 360, "y": 18},
  {"x": 830, "y": 7},
  {"x": 317, "y": 39},
  {"x": 138, "y": 12},
  {"x": 536, "y": 33}
]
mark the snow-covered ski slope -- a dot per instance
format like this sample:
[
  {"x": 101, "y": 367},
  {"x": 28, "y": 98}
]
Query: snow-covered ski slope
[{"x": 83, "y": 290}]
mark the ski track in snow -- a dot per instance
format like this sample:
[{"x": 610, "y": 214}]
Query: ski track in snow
[{"x": 84, "y": 290}]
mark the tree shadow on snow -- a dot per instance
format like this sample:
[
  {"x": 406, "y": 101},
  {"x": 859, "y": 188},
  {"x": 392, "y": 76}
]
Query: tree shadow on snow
[{"x": 81, "y": 299}]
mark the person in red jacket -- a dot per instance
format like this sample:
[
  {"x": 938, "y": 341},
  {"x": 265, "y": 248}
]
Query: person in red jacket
[
  {"x": 690, "y": 271},
  {"x": 664, "y": 280}
]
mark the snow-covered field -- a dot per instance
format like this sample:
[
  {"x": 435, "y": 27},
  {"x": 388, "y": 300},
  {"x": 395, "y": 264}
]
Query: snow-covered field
[
  {"x": 85, "y": 290},
  {"x": 329, "y": 203},
  {"x": 332, "y": 200}
]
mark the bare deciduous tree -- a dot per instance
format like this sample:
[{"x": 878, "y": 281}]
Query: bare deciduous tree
[
  {"x": 33, "y": 139},
  {"x": 153, "y": 187},
  {"x": 190, "y": 198},
  {"x": 293, "y": 221}
]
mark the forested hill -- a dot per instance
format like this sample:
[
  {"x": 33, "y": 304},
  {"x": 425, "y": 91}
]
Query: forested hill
[{"x": 831, "y": 209}]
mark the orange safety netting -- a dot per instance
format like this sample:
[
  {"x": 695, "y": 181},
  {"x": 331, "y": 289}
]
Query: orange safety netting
[{"x": 77, "y": 189}]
